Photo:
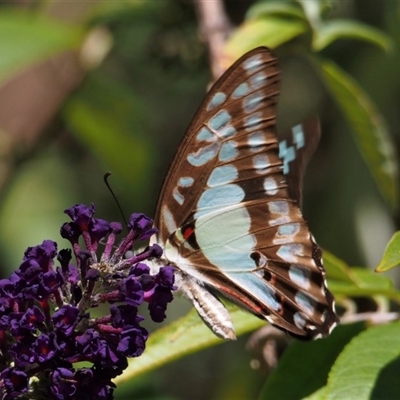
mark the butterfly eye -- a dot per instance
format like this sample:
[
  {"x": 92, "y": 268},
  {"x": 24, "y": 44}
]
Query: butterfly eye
[{"x": 229, "y": 210}]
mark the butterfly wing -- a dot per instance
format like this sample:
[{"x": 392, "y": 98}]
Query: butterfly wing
[
  {"x": 226, "y": 216},
  {"x": 295, "y": 150}
]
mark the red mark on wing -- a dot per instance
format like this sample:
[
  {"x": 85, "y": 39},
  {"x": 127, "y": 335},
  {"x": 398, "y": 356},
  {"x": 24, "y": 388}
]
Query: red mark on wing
[{"x": 187, "y": 232}]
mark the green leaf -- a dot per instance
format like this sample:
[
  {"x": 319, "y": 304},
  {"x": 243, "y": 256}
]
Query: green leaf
[
  {"x": 304, "y": 367},
  {"x": 336, "y": 269},
  {"x": 183, "y": 337},
  {"x": 315, "y": 9},
  {"x": 368, "y": 279},
  {"x": 268, "y": 31},
  {"x": 283, "y": 10},
  {"x": 368, "y": 126},
  {"x": 391, "y": 256},
  {"x": 367, "y": 283},
  {"x": 347, "y": 29},
  {"x": 28, "y": 38},
  {"x": 317, "y": 395},
  {"x": 368, "y": 366},
  {"x": 345, "y": 281}
]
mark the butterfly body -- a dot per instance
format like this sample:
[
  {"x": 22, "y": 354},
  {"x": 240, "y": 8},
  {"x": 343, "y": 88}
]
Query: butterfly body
[{"x": 229, "y": 211}]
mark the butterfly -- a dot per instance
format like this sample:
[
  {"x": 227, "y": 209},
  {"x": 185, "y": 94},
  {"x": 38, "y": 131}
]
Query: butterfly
[{"x": 229, "y": 214}]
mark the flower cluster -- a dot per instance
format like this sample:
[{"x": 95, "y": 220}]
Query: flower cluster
[{"x": 46, "y": 321}]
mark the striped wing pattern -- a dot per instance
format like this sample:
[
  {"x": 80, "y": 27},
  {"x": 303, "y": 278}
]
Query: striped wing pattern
[{"x": 228, "y": 220}]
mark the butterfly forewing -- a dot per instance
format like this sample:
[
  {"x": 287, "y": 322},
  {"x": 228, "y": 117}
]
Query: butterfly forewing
[
  {"x": 211, "y": 139},
  {"x": 226, "y": 217}
]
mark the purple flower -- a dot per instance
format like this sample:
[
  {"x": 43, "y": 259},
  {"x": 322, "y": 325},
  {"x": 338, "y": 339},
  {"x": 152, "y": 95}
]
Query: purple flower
[
  {"x": 161, "y": 295},
  {"x": 66, "y": 319},
  {"x": 63, "y": 383},
  {"x": 142, "y": 226},
  {"x": 45, "y": 348},
  {"x": 32, "y": 319},
  {"x": 15, "y": 382},
  {"x": 46, "y": 322}
]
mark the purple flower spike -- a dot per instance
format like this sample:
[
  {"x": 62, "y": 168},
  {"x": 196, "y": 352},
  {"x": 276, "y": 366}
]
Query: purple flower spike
[{"x": 46, "y": 324}]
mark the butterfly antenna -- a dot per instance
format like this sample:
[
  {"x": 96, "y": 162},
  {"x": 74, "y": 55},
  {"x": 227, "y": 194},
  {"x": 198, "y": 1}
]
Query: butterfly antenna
[{"x": 105, "y": 177}]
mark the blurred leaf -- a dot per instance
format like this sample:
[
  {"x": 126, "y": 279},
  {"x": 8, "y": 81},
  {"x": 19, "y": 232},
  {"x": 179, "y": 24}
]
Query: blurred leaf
[
  {"x": 317, "y": 395},
  {"x": 340, "y": 289},
  {"x": 28, "y": 38},
  {"x": 278, "y": 9},
  {"x": 370, "y": 132},
  {"x": 391, "y": 256},
  {"x": 336, "y": 268},
  {"x": 110, "y": 122},
  {"x": 113, "y": 9},
  {"x": 304, "y": 366},
  {"x": 183, "y": 337},
  {"x": 353, "y": 281},
  {"x": 368, "y": 366},
  {"x": 268, "y": 31},
  {"x": 347, "y": 29},
  {"x": 314, "y": 9},
  {"x": 366, "y": 278}
]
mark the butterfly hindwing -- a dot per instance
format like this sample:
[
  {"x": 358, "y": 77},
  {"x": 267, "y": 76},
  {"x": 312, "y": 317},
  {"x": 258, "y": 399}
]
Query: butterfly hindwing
[
  {"x": 227, "y": 219},
  {"x": 296, "y": 148}
]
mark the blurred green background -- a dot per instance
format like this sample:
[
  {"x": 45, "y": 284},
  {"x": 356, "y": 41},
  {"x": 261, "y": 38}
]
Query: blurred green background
[{"x": 91, "y": 87}]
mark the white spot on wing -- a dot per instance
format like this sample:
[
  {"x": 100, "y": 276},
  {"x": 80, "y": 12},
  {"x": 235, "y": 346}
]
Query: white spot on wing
[
  {"x": 203, "y": 155},
  {"x": 253, "y": 101},
  {"x": 298, "y": 136},
  {"x": 216, "y": 100},
  {"x": 286, "y": 232},
  {"x": 289, "y": 229},
  {"x": 253, "y": 121},
  {"x": 261, "y": 163},
  {"x": 270, "y": 186},
  {"x": 305, "y": 303},
  {"x": 220, "y": 119},
  {"x": 221, "y": 196},
  {"x": 222, "y": 175},
  {"x": 228, "y": 151},
  {"x": 299, "y": 320},
  {"x": 300, "y": 277},
  {"x": 168, "y": 218},
  {"x": 290, "y": 252},
  {"x": 185, "y": 181},
  {"x": 241, "y": 91},
  {"x": 256, "y": 140},
  {"x": 253, "y": 63},
  {"x": 279, "y": 207},
  {"x": 178, "y": 196},
  {"x": 258, "y": 80},
  {"x": 205, "y": 134},
  {"x": 286, "y": 154}
]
